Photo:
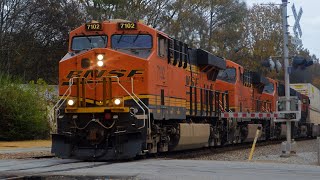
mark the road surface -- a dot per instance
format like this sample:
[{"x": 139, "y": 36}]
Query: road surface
[{"x": 155, "y": 169}]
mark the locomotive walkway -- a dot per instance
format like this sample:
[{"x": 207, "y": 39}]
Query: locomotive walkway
[{"x": 154, "y": 169}]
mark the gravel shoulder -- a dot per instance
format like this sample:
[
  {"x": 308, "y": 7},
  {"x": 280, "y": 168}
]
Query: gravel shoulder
[
  {"x": 306, "y": 154},
  {"x": 24, "y": 144},
  {"x": 24, "y": 149}
]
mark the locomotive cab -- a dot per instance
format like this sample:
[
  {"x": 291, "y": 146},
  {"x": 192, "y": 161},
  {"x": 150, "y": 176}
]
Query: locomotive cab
[
  {"x": 270, "y": 95},
  {"x": 99, "y": 77},
  {"x": 238, "y": 83},
  {"x": 245, "y": 88}
]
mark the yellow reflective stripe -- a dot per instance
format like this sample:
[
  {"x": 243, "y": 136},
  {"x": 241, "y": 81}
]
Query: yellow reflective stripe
[{"x": 95, "y": 109}]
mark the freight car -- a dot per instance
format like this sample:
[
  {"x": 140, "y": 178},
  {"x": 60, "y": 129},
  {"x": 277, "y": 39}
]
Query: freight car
[
  {"x": 312, "y": 115},
  {"x": 302, "y": 128},
  {"x": 127, "y": 90}
]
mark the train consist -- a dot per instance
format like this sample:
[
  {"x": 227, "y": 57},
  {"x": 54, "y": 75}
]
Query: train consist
[{"x": 128, "y": 90}]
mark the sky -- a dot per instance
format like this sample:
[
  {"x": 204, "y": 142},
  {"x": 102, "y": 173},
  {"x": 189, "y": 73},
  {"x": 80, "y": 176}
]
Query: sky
[{"x": 309, "y": 22}]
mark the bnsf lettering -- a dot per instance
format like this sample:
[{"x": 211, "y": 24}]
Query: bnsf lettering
[
  {"x": 118, "y": 73},
  {"x": 98, "y": 74},
  {"x": 102, "y": 73},
  {"x": 74, "y": 74},
  {"x": 133, "y": 72},
  {"x": 92, "y": 72}
]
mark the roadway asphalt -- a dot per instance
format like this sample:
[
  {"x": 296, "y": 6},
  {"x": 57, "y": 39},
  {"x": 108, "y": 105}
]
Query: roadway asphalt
[{"x": 155, "y": 169}]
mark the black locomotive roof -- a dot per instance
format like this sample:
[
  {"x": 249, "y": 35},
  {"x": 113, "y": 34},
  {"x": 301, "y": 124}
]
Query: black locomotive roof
[
  {"x": 205, "y": 58},
  {"x": 257, "y": 78}
]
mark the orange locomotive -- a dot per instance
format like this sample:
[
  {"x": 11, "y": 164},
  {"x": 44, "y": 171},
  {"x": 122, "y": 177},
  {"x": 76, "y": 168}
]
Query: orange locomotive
[
  {"x": 247, "y": 100},
  {"x": 127, "y": 89},
  {"x": 244, "y": 87},
  {"x": 270, "y": 95}
]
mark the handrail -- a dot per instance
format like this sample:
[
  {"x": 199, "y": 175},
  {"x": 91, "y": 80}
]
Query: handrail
[
  {"x": 144, "y": 112},
  {"x": 149, "y": 120},
  {"x": 56, "y": 107},
  {"x": 221, "y": 107},
  {"x": 67, "y": 93}
]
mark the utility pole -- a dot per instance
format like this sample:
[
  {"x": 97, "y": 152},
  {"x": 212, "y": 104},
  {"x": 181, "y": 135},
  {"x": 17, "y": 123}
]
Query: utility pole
[
  {"x": 290, "y": 113},
  {"x": 286, "y": 146}
]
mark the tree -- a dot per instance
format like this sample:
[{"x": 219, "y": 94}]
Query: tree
[
  {"x": 264, "y": 34},
  {"x": 23, "y": 110},
  {"x": 201, "y": 23},
  {"x": 11, "y": 13},
  {"x": 34, "y": 35}
]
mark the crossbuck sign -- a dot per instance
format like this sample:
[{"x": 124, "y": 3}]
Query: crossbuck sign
[{"x": 296, "y": 28}]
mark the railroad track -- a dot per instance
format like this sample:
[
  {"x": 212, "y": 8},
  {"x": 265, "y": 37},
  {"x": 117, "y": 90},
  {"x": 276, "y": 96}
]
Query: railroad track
[
  {"x": 76, "y": 165},
  {"x": 189, "y": 154}
]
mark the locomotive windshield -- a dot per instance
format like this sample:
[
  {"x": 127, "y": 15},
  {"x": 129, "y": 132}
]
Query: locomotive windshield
[
  {"x": 134, "y": 44},
  {"x": 269, "y": 88},
  {"x": 228, "y": 75},
  {"x": 88, "y": 42}
]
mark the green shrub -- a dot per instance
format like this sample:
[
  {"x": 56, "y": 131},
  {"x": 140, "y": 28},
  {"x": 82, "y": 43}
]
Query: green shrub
[{"x": 23, "y": 110}]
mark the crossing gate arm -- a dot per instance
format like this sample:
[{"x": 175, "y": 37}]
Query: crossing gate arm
[{"x": 255, "y": 115}]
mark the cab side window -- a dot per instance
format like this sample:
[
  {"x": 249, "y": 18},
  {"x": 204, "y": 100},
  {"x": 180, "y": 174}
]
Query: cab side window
[
  {"x": 162, "y": 46},
  {"x": 246, "y": 78},
  {"x": 269, "y": 88},
  {"x": 228, "y": 75}
]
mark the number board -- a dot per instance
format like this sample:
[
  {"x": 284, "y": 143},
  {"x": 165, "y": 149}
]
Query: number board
[
  {"x": 127, "y": 26},
  {"x": 94, "y": 27}
]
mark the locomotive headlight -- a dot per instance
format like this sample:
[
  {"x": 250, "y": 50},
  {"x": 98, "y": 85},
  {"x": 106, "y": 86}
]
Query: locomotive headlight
[
  {"x": 100, "y": 63},
  {"x": 71, "y": 102},
  {"x": 100, "y": 57},
  {"x": 117, "y": 101}
]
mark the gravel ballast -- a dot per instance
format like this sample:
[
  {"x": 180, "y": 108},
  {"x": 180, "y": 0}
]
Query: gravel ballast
[{"x": 306, "y": 153}]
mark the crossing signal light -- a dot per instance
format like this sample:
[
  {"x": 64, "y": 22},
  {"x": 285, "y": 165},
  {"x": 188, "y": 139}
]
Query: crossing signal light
[
  {"x": 301, "y": 62},
  {"x": 268, "y": 63},
  {"x": 278, "y": 66}
]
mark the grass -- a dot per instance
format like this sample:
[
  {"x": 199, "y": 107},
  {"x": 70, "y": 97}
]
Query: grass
[{"x": 24, "y": 144}]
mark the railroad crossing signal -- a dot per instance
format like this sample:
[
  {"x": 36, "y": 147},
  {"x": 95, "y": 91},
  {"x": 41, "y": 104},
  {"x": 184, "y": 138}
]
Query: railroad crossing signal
[
  {"x": 296, "y": 28},
  {"x": 272, "y": 65},
  {"x": 301, "y": 62}
]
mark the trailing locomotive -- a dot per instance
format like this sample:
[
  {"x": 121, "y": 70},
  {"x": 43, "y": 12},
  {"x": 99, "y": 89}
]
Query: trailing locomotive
[{"x": 127, "y": 90}]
